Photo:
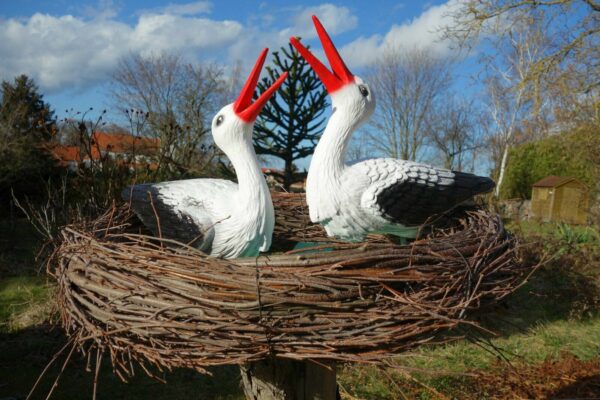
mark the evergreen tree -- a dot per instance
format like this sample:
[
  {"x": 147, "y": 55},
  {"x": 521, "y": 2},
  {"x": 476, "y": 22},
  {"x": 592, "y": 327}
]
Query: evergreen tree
[
  {"x": 26, "y": 124},
  {"x": 24, "y": 111},
  {"x": 291, "y": 123}
]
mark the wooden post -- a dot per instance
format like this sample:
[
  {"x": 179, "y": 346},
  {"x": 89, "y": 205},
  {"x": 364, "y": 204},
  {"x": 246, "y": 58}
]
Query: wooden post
[{"x": 283, "y": 379}]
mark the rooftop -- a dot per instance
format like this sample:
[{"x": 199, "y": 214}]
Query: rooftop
[{"x": 553, "y": 181}]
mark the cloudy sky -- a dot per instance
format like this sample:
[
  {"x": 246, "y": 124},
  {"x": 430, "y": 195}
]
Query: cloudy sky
[{"x": 70, "y": 47}]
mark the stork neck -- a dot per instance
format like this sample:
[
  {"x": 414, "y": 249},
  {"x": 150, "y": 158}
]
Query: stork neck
[
  {"x": 252, "y": 187},
  {"x": 330, "y": 154}
]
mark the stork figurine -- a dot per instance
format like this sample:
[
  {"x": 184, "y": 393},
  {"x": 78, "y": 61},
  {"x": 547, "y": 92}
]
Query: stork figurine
[
  {"x": 217, "y": 216},
  {"x": 376, "y": 195}
]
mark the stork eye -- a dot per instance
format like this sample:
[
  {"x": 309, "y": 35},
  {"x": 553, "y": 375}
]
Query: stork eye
[
  {"x": 220, "y": 119},
  {"x": 363, "y": 90}
]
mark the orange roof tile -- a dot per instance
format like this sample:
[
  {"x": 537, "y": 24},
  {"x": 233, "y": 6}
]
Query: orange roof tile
[
  {"x": 123, "y": 143},
  {"x": 63, "y": 155}
]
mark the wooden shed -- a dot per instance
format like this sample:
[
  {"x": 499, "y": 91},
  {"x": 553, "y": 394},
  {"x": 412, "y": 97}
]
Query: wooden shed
[{"x": 560, "y": 199}]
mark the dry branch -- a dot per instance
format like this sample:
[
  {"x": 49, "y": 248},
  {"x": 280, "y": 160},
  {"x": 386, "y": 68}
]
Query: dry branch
[{"x": 159, "y": 302}]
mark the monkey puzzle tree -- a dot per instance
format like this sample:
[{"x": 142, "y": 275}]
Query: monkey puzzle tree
[{"x": 292, "y": 122}]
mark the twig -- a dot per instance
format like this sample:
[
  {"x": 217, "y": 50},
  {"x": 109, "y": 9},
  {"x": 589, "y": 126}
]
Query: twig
[
  {"x": 54, "y": 358},
  {"x": 157, "y": 302},
  {"x": 55, "y": 384}
]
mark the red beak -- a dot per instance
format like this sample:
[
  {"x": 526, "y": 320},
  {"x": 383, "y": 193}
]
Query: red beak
[
  {"x": 243, "y": 106},
  {"x": 341, "y": 75}
]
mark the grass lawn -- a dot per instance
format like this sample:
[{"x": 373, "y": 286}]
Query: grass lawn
[
  {"x": 556, "y": 315},
  {"x": 27, "y": 343},
  {"x": 534, "y": 325},
  {"x": 549, "y": 326}
]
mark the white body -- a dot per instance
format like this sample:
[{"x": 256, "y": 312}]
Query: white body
[
  {"x": 339, "y": 196},
  {"x": 219, "y": 217},
  {"x": 347, "y": 207},
  {"x": 352, "y": 200},
  {"x": 235, "y": 220},
  {"x": 378, "y": 194}
]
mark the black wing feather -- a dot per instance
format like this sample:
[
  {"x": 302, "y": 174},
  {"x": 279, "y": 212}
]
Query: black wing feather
[
  {"x": 428, "y": 191},
  {"x": 145, "y": 199}
]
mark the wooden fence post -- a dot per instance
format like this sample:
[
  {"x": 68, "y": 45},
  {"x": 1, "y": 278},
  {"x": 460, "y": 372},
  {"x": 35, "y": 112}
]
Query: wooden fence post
[{"x": 283, "y": 379}]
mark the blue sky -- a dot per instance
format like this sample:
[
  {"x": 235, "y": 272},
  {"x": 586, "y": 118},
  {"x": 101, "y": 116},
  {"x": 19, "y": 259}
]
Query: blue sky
[{"x": 70, "y": 47}]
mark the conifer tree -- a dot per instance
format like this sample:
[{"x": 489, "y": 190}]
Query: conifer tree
[
  {"x": 292, "y": 122},
  {"x": 26, "y": 124},
  {"x": 24, "y": 111}
]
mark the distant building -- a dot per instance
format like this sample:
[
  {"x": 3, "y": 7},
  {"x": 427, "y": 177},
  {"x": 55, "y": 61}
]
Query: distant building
[
  {"x": 560, "y": 199},
  {"x": 65, "y": 156},
  {"x": 124, "y": 149},
  {"x": 123, "y": 145}
]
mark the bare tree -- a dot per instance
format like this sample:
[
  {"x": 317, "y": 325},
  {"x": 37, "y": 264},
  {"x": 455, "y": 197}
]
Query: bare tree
[
  {"x": 454, "y": 131},
  {"x": 180, "y": 100},
  {"x": 514, "y": 101},
  {"x": 573, "y": 108},
  {"x": 407, "y": 84},
  {"x": 574, "y": 26}
]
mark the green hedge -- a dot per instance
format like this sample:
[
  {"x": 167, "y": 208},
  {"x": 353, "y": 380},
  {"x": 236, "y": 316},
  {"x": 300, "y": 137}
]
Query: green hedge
[{"x": 571, "y": 154}]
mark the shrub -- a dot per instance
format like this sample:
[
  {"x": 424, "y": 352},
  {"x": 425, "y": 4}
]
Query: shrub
[{"x": 564, "y": 155}]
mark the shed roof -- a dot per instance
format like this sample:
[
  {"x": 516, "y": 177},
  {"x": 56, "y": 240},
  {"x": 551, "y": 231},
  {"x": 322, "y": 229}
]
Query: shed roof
[{"x": 553, "y": 181}]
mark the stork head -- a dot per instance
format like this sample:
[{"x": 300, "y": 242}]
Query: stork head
[
  {"x": 233, "y": 124},
  {"x": 348, "y": 92}
]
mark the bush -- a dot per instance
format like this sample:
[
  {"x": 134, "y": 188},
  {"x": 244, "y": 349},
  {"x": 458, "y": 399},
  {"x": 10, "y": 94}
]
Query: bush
[{"x": 563, "y": 155}]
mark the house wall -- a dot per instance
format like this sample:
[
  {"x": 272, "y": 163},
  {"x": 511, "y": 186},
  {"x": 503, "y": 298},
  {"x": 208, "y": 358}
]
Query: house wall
[
  {"x": 541, "y": 203},
  {"x": 570, "y": 203}
]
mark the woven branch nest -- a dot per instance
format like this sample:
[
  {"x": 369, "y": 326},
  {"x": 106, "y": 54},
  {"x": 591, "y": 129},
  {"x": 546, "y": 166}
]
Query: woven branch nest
[{"x": 161, "y": 302}]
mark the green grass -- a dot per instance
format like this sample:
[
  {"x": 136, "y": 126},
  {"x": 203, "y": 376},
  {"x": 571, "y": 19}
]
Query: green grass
[
  {"x": 27, "y": 344},
  {"x": 24, "y": 301},
  {"x": 559, "y": 237},
  {"x": 556, "y": 312},
  {"x": 531, "y": 227},
  {"x": 538, "y": 343},
  {"x": 451, "y": 362},
  {"x": 540, "y": 340}
]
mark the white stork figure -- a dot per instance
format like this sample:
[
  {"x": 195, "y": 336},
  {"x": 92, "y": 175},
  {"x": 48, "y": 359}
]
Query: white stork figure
[
  {"x": 217, "y": 216},
  {"x": 376, "y": 195}
]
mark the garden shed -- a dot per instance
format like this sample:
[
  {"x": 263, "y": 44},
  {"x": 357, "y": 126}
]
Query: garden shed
[{"x": 560, "y": 199}]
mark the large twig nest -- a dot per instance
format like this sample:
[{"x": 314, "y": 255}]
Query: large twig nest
[{"x": 161, "y": 302}]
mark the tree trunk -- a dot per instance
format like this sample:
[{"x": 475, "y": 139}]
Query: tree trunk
[
  {"x": 288, "y": 174},
  {"x": 282, "y": 379},
  {"x": 502, "y": 170}
]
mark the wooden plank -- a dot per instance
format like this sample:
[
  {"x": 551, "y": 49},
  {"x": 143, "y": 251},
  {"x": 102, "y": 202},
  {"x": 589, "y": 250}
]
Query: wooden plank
[{"x": 283, "y": 379}]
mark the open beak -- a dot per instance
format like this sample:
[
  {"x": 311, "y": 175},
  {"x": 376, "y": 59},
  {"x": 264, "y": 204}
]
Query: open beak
[
  {"x": 340, "y": 74},
  {"x": 243, "y": 106}
]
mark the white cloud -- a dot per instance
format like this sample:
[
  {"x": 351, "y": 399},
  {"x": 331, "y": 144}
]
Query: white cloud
[
  {"x": 336, "y": 19},
  {"x": 66, "y": 51},
  {"x": 57, "y": 51},
  {"x": 422, "y": 31},
  {"x": 74, "y": 53},
  {"x": 156, "y": 33}
]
